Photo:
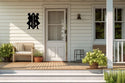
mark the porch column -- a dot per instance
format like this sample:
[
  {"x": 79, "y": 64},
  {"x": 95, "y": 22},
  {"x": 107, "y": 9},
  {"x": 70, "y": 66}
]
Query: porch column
[{"x": 109, "y": 33}]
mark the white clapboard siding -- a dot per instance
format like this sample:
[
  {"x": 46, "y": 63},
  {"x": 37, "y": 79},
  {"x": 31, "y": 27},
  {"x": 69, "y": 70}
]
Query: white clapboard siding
[
  {"x": 80, "y": 39},
  {"x": 82, "y": 13},
  {"x": 13, "y": 22},
  {"x": 20, "y": 3},
  {"x": 16, "y": 25},
  {"x": 21, "y": 27},
  {"x": 81, "y": 30},
  {"x": 21, "y": 13},
  {"x": 20, "y": 7},
  {"x": 13, "y": 25},
  {"x": 23, "y": 17},
  {"x": 19, "y": 31},
  {"x": 25, "y": 35},
  {"x": 80, "y": 35},
  {"x": 81, "y": 25}
]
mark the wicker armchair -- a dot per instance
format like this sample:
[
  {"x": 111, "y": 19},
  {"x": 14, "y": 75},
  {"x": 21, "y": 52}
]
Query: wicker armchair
[{"x": 23, "y": 49}]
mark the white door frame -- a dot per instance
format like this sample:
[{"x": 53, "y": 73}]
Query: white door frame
[
  {"x": 62, "y": 43},
  {"x": 68, "y": 56}
]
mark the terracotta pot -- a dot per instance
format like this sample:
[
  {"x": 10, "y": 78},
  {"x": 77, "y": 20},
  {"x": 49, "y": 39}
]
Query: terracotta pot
[
  {"x": 38, "y": 59},
  {"x": 94, "y": 66}
]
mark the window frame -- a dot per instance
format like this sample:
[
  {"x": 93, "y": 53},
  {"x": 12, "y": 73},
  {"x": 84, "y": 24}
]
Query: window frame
[
  {"x": 100, "y": 22},
  {"x": 103, "y": 41},
  {"x": 122, "y": 31}
]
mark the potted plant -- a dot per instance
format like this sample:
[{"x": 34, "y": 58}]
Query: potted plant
[
  {"x": 6, "y": 51},
  {"x": 38, "y": 57},
  {"x": 95, "y": 58}
]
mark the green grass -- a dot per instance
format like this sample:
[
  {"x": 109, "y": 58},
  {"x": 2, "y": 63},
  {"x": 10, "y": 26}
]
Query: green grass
[{"x": 115, "y": 76}]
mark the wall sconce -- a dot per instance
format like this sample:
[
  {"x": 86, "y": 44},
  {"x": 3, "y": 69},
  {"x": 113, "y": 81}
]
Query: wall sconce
[{"x": 79, "y": 17}]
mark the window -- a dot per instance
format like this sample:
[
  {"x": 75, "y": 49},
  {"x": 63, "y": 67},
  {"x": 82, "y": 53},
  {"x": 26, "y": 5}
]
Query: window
[
  {"x": 118, "y": 23},
  {"x": 100, "y": 22},
  {"x": 55, "y": 25}
]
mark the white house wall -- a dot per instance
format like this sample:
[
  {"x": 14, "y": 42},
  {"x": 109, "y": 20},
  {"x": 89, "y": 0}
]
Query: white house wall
[
  {"x": 13, "y": 22},
  {"x": 81, "y": 30}
]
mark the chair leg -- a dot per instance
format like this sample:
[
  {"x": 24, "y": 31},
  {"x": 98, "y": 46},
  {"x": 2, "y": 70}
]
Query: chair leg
[
  {"x": 31, "y": 58},
  {"x": 13, "y": 58}
]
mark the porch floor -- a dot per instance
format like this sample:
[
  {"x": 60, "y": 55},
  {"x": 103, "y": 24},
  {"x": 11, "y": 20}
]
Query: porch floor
[
  {"x": 49, "y": 66},
  {"x": 43, "y": 66}
]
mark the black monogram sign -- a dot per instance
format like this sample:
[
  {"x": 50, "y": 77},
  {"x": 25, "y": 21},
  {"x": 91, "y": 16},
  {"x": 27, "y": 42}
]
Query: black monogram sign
[{"x": 33, "y": 20}]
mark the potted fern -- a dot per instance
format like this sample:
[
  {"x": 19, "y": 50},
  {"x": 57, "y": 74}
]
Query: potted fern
[
  {"x": 6, "y": 52},
  {"x": 38, "y": 57},
  {"x": 95, "y": 58}
]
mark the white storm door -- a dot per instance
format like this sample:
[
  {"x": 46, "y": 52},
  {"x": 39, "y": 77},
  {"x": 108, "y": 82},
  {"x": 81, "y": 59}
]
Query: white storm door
[{"x": 55, "y": 35}]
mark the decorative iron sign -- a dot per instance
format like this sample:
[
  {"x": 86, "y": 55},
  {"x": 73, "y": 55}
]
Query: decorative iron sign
[{"x": 33, "y": 20}]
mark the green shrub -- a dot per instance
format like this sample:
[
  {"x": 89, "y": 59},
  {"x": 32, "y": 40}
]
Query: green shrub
[
  {"x": 115, "y": 76},
  {"x": 95, "y": 57},
  {"x": 6, "y": 51},
  {"x": 38, "y": 53}
]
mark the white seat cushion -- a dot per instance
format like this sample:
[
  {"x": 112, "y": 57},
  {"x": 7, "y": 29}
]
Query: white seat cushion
[{"x": 23, "y": 52}]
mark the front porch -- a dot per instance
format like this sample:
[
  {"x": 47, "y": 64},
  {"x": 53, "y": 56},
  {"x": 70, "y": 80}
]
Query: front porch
[
  {"x": 78, "y": 33},
  {"x": 51, "y": 66},
  {"x": 44, "y": 66}
]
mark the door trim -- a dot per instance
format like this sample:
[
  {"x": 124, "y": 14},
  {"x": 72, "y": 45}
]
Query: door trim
[{"x": 68, "y": 50}]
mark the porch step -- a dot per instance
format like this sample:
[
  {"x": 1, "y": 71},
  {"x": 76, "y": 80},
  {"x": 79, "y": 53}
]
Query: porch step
[
  {"x": 52, "y": 81},
  {"x": 51, "y": 76}
]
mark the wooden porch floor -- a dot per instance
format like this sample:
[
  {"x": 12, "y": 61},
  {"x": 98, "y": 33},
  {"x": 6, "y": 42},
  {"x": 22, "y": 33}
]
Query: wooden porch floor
[
  {"x": 43, "y": 66},
  {"x": 49, "y": 66}
]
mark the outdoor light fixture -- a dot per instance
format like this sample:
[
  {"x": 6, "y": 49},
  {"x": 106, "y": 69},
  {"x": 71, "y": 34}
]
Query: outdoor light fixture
[
  {"x": 79, "y": 17},
  {"x": 33, "y": 21}
]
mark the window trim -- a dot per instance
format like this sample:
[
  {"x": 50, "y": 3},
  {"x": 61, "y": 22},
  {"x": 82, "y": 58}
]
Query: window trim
[
  {"x": 100, "y": 22},
  {"x": 122, "y": 31},
  {"x": 103, "y": 41}
]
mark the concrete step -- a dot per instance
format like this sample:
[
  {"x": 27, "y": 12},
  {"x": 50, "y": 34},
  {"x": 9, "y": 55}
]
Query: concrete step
[
  {"x": 51, "y": 71},
  {"x": 45, "y": 76},
  {"x": 52, "y": 81},
  {"x": 52, "y": 78}
]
